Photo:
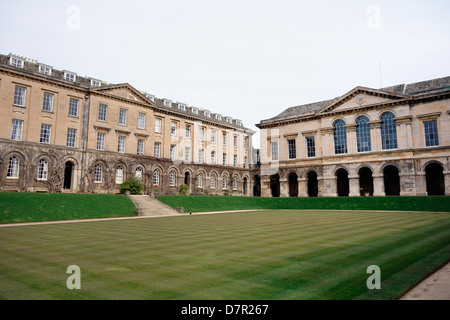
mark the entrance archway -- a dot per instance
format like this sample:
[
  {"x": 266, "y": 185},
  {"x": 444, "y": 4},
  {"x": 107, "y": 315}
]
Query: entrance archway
[
  {"x": 435, "y": 179},
  {"x": 365, "y": 182},
  {"x": 313, "y": 186},
  {"x": 293, "y": 185},
  {"x": 275, "y": 185},
  {"x": 245, "y": 186},
  {"x": 187, "y": 179},
  {"x": 343, "y": 186},
  {"x": 68, "y": 173},
  {"x": 391, "y": 181},
  {"x": 257, "y": 187}
]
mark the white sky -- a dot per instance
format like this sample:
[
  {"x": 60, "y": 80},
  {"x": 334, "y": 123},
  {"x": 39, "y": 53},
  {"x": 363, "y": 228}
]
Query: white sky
[{"x": 247, "y": 59}]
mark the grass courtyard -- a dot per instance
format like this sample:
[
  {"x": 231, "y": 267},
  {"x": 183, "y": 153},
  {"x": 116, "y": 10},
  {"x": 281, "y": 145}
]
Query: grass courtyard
[{"x": 271, "y": 254}]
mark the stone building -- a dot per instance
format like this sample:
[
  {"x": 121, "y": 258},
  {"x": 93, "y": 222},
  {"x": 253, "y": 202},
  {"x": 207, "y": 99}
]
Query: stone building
[
  {"x": 368, "y": 142},
  {"x": 61, "y": 132}
]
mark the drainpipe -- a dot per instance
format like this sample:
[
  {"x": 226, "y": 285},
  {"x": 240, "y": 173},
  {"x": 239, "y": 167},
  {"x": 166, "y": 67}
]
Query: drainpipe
[{"x": 84, "y": 137}]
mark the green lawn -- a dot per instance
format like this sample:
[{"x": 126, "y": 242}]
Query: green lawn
[
  {"x": 278, "y": 254},
  {"x": 31, "y": 207},
  {"x": 216, "y": 203}
]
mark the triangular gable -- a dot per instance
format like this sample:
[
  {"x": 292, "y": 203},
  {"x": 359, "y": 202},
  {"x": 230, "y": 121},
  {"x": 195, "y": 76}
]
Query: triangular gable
[
  {"x": 124, "y": 90},
  {"x": 360, "y": 97}
]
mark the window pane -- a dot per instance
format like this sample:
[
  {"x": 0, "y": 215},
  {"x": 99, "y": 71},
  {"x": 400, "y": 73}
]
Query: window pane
[
  {"x": 292, "y": 149},
  {"x": 340, "y": 137},
  {"x": 311, "y": 146},
  {"x": 102, "y": 112},
  {"x": 274, "y": 147},
  {"x": 363, "y": 134},
  {"x": 73, "y": 107},
  {"x": 101, "y": 141},
  {"x": 16, "y": 130},
  {"x": 431, "y": 133},
  {"x": 45, "y": 133},
  {"x": 19, "y": 96},
  {"x": 48, "y": 102},
  {"x": 13, "y": 167},
  {"x": 388, "y": 131},
  {"x": 71, "y": 137}
]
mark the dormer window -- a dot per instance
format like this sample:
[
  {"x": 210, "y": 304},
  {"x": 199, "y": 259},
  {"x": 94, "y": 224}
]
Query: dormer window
[
  {"x": 218, "y": 117},
  {"x": 229, "y": 120},
  {"x": 15, "y": 62},
  {"x": 239, "y": 123},
  {"x": 182, "y": 107},
  {"x": 207, "y": 114},
  {"x": 95, "y": 83},
  {"x": 150, "y": 97},
  {"x": 167, "y": 103},
  {"x": 47, "y": 70},
  {"x": 195, "y": 110},
  {"x": 69, "y": 76}
]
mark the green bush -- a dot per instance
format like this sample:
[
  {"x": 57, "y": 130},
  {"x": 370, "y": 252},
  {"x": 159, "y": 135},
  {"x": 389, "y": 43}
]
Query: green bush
[
  {"x": 183, "y": 189},
  {"x": 132, "y": 184}
]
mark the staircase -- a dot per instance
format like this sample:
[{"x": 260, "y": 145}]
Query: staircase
[{"x": 150, "y": 207}]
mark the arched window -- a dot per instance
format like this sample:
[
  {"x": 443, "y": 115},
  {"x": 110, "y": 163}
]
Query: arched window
[
  {"x": 119, "y": 175},
  {"x": 42, "y": 170},
  {"x": 200, "y": 181},
  {"x": 388, "y": 131},
  {"x": 172, "y": 179},
  {"x": 213, "y": 182},
  {"x": 235, "y": 183},
  {"x": 363, "y": 134},
  {"x": 13, "y": 167},
  {"x": 224, "y": 182},
  {"x": 340, "y": 137},
  {"x": 139, "y": 173},
  {"x": 98, "y": 174},
  {"x": 156, "y": 175}
]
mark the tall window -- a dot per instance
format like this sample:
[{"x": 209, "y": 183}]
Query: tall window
[
  {"x": 119, "y": 175},
  {"x": 98, "y": 173},
  {"x": 274, "y": 149},
  {"x": 363, "y": 134},
  {"x": 235, "y": 183},
  {"x": 48, "y": 102},
  {"x": 200, "y": 155},
  {"x": 235, "y": 141},
  {"x": 16, "y": 130},
  {"x": 158, "y": 125},
  {"x": 213, "y": 136},
  {"x": 123, "y": 117},
  {"x": 340, "y": 137},
  {"x": 73, "y": 107},
  {"x": 200, "y": 181},
  {"x": 173, "y": 129},
  {"x": 213, "y": 157},
  {"x": 245, "y": 162},
  {"x": 213, "y": 182},
  {"x": 201, "y": 134},
  {"x": 46, "y": 131},
  {"x": 235, "y": 161},
  {"x": 188, "y": 131},
  {"x": 156, "y": 175},
  {"x": 172, "y": 179},
  {"x": 101, "y": 140},
  {"x": 224, "y": 159},
  {"x": 311, "y": 146},
  {"x": 292, "y": 149},
  {"x": 140, "y": 146},
  {"x": 431, "y": 133},
  {"x": 139, "y": 173},
  {"x": 121, "y": 144},
  {"x": 187, "y": 154},
  {"x": 158, "y": 149},
  {"x": 173, "y": 152},
  {"x": 141, "y": 121},
  {"x": 224, "y": 182},
  {"x": 224, "y": 138},
  {"x": 42, "y": 170},
  {"x": 102, "y": 112},
  {"x": 20, "y": 94},
  {"x": 13, "y": 168},
  {"x": 388, "y": 131},
  {"x": 71, "y": 137},
  {"x": 245, "y": 142}
]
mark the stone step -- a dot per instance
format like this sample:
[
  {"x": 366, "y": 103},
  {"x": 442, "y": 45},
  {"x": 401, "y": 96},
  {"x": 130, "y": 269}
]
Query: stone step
[{"x": 148, "y": 206}]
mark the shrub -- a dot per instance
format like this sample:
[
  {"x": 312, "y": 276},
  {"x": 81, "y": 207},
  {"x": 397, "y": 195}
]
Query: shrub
[
  {"x": 183, "y": 189},
  {"x": 132, "y": 184}
]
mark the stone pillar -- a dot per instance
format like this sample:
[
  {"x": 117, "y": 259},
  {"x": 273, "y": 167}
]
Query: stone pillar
[
  {"x": 447, "y": 182},
  {"x": 351, "y": 138},
  {"x": 284, "y": 188},
  {"x": 421, "y": 184},
  {"x": 375, "y": 135},
  {"x": 265, "y": 188},
  {"x": 302, "y": 187},
  {"x": 378, "y": 185},
  {"x": 354, "y": 186},
  {"x": 407, "y": 184},
  {"x": 329, "y": 186}
]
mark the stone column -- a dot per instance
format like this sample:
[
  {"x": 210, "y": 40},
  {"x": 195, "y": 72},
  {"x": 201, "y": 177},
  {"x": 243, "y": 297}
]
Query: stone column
[
  {"x": 329, "y": 186},
  {"x": 421, "y": 184},
  {"x": 351, "y": 138},
  {"x": 407, "y": 184},
  {"x": 284, "y": 188},
  {"x": 265, "y": 188},
  {"x": 375, "y": 135},
  {"x": 302, "y": 187},
  {"x": 447, "y": 182},
  {"x": 354, "y": 186},
  {"x": 378, "y": 185}
]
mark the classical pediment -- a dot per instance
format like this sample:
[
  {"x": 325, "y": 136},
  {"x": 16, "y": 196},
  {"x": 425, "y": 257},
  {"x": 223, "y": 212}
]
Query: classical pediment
[
  {"x": 125, "y": 91},
  {"x": 362, "y": 97}
]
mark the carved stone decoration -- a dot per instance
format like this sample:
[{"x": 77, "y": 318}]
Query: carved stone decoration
[{"x": 55, "y": 181}]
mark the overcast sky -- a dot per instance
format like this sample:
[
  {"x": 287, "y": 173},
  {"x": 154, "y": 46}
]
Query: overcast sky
[{"x": 247, "y": 59}]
